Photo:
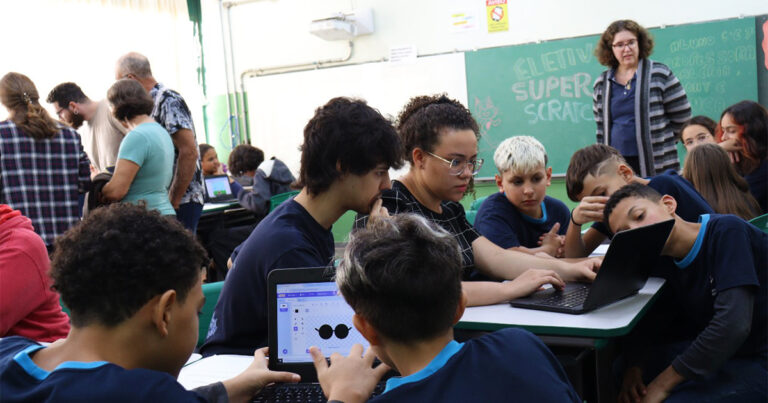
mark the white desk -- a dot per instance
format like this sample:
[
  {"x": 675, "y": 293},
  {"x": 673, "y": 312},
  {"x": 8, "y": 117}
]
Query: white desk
[
  {"x": 612, "y": 320},
  {"x": 594, "y": 330}
]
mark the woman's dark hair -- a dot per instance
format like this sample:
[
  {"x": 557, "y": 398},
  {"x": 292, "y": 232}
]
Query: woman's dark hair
[
  {"x": 753, "y": 118},
  {"x": 711, "y": 172},
  {"x": 129, "y": 99},
  {"x": 345, "y": 136},
  {"x": 422, "y": 119},
  {"x": 604, "y": 48},
  {"x": 703, "y": 121},
  {"x": 244, "y": 158},
  {"x": 19, "y": 95},
  {"x": 118, "y": 258}
]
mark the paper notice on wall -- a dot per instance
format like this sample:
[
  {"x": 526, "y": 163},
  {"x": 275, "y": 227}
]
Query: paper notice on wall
[
  {"x": 463, "y": 21},
  {"x": 498, "y": 19},
  {"x": 402, "y": 54}
]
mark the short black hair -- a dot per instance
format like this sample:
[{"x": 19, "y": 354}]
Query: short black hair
[
  {"x": 244, "y": 158},
  {"x": 631, "y": 190},
  {"x": 65, "y": 93},
  {"x": 129, "y": 99},
  {"x": 403, "y": 275},
  {"x": 118, "y": 258},
  {"x": 349, "y": 133},
  {"x": 421, "y": 120},
  {"x": 589, "y": 160}
]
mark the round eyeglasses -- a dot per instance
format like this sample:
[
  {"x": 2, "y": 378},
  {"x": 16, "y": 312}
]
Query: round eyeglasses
[{"x": 457, "y": 166}]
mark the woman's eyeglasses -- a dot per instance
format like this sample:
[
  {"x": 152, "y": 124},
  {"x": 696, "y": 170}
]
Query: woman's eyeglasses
[{"x": 457, "y": 166}]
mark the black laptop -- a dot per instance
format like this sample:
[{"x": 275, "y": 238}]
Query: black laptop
[
  {"x": 217, "y": 189},
  {"x": 623, "y": 273},
  {"x": 306, "y": 309}
]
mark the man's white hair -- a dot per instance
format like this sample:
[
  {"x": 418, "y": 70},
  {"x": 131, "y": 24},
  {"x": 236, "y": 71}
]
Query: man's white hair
[{"x": 520, "y": 154}]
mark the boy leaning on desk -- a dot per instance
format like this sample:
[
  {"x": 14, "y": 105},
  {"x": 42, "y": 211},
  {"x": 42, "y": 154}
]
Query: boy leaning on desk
[{"x": 723, "y": 262}]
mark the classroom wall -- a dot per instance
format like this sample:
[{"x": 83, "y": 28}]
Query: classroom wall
[{"x": 273, "y": 33}]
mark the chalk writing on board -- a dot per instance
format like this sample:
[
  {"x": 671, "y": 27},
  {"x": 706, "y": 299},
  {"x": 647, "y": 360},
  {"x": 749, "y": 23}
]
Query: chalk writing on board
[
  {"x": 485, "y": 114},
  {"x": 705, "y": 64}
]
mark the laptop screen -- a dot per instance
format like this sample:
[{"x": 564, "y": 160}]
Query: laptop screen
[
  {"x": 313, "y": 314},
  {"x": 217, "y": 186}
]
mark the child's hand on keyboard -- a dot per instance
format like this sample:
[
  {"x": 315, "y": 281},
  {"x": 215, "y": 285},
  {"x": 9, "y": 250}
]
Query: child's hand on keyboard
[
  {"x": 532, "y": 280},
  {"x": 348, "y": 379},
  {"x": 244, "y": 386}
]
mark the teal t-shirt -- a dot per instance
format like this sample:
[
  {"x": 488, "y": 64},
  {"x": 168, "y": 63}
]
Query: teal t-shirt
[{"x": 149, "y": 146}]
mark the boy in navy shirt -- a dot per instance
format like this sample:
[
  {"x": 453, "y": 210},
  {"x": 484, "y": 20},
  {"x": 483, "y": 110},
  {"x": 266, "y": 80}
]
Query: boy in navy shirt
[
  {"x": 521, "y": 216},
  {"x": 594, "y": 173},
  {"x": 345, "y": 159},
  {"x": 725, "y": 263},
  {"x": 132, "y": 280},
  {"x": 402, "y": 277}
]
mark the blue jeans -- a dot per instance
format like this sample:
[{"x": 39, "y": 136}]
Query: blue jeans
[{"x": 189, "y": 214}]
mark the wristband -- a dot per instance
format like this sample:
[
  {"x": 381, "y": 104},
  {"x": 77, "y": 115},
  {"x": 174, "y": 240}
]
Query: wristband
[{"x": 574, "y": 222}]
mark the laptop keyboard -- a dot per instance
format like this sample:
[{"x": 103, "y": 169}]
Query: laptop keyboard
[
  {"x": 300, "y": 392},
  {"x": 567, "y": 299}
]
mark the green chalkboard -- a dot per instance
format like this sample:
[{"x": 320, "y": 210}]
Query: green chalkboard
[{"x": 545, "y": 89}]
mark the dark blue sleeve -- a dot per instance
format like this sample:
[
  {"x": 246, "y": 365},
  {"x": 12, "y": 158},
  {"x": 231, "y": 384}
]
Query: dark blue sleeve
[
  {"x": 559, "y": 213},
  {"x": 494, "y": 222},
  {"x": 729, "y": 251},
  {"x": 236, "y": 188},
  {"x": 690, "y": 204}
]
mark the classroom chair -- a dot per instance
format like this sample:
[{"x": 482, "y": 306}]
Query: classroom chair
[
  {"x": 275, "y": 200},
  {"x": 472, "y": 213},
  {"x": 211, "y": 292},
  {"x": 760, "y": 222}
]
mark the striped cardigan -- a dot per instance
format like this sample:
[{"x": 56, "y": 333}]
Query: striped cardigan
[{"x": 661, "y": 108}]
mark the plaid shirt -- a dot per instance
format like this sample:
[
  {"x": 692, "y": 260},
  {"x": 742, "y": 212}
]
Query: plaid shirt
[
  {"x": 452, "y": 219},
  {"x": 43, "y": 178}
]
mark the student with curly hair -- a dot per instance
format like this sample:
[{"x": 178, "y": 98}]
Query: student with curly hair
[
  {"x": 440, "y": 136},
  {"x": 639, "y": 104},
  {"x": 145, "y": 160},
  {"x": 133, "y": 282},
  {"x": 345, "y": 159}
]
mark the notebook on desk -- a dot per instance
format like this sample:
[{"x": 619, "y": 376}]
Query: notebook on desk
[
  {"x": 305, "y": 308},
  {"x": 624, "y": 271},
  {"x": 217, "y": 189}
]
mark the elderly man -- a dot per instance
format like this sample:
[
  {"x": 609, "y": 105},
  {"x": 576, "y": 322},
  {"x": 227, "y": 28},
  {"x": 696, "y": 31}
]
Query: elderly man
[{"x": 186, "y": 193}]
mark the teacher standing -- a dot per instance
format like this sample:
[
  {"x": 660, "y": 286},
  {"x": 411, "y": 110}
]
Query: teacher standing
[{"x": 638, "y": 103}]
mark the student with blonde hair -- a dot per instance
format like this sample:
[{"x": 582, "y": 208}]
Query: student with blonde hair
[
  {"x": 709, "y": 169},
  {"x": 521, "y": 216}
]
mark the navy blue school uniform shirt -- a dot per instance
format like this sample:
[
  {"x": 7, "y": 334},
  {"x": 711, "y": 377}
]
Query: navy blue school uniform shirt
[
  {"x": 728, "y": 252},
  {"x": 690, "y": 204},
  {"x": 758, "y": 185},
  {"x": 507, "y": 365},
  {"x": 503, "y": 224},
  {"x": 286, "y": 238},
  {"x": 21, "y": 380}
]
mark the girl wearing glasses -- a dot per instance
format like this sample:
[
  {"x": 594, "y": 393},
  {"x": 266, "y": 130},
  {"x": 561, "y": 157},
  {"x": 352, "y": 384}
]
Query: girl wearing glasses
[
  {"x": 634, "y": 92},
  {"x": 440, "y": 143}
]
